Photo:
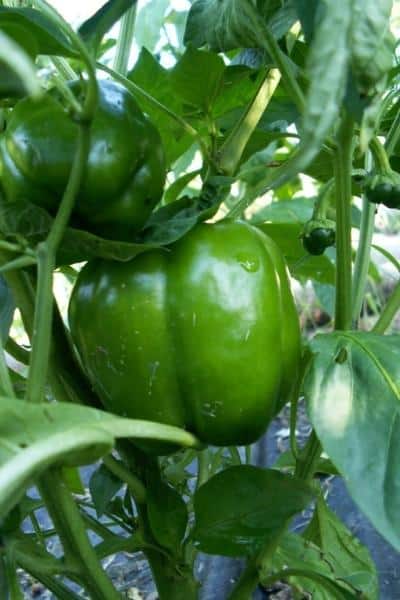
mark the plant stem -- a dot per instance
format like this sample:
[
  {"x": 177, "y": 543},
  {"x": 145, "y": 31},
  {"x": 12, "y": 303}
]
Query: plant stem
[
  {"x": 64, "y": 68},
  {"x": 46, "y": 252},
  {"x": 233, "y": 147},
  {"x": 270, "y": 44},
  {"x": 125, "y": 39},
  {"x": 69, "y": 525},
  {"x": 362, "y": 261},
  {"x": 389, "y": 312},
  {"x": 250, "y": 577},
  {"x": 342, "y": 169}
]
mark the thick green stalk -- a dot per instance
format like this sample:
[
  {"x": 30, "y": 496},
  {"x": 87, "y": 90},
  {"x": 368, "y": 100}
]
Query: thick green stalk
[
  {"x": 342, "y": 170},
  {"x": 172, "y": 583},
  {"x": 389, "y": 312},
  {"x": 125, "y": 39},
  {"x": 232, "y": 149}
]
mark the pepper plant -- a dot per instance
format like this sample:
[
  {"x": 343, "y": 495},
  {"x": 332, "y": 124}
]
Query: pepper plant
[{"x": 181, "y": 188}]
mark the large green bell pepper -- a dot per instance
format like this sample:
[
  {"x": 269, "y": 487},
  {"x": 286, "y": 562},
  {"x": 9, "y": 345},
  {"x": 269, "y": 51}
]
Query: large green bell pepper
[{"x": 204, "y": 335}]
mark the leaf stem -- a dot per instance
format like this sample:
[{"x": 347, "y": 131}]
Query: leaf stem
[
  {"x": 389, "y": 312},
  {"x": 125, "y": 38},
  {"x": 270, "y": 44},
  {"x": 232, "y": 149}
]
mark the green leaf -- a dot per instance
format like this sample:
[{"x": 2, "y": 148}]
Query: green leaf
[
  {"x": 240, "y": 507},
  {"x": 93, "y": 30},
  {"x": 174, "y": 190},
  {"x": 13, "y": 81},
  {"x": 73, "y": 481},
  {"x": 296, "y": 210},
  {"x": 313, "y": 572},
  {"x": 306, "y": 11},
  {"x": 34, "y": 437},
  {"x": 288, "y": 461},
  {"x": 197, "y": 78},
  {"x": 155, "y": 80},
  {"x": 49, "y": 38},
  {"x": 169, "y": 223},
  {"x": 103, "y": 486},
  {"x": 7, "y": 307},
  {"x": 225, "y": 25},
  {"x": 326, "y": 296},
  {"x": 350, "y": 560},
  {"x": 353, "y": 392},
  {"x": 34, "y": 223},
  {"x": 371, "y": 42},
  {"x": 168, "y": 515}
]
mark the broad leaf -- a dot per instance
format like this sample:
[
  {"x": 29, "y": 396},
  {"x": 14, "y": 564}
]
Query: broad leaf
[
  {"x": 228, "y": 24},
  {"x": 350, "y": 560},
  {"x": 48, "y": 37},
  {"x": 155, "y": 80},
  {"x": 197, "y": 78},
  {"x": 319, "y": 574},
  {"x": 353, "y": 395},
  {"x": 94, "y": 29},
  {"x": 34, "y": 223},
  {"x": 169, "y": 223},
  {"x": 34, "y": 437},
  {"x": 240, "y": 507}
]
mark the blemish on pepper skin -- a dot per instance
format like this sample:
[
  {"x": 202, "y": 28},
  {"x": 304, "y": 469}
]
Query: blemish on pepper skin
[{"x": 154, "y": 368}]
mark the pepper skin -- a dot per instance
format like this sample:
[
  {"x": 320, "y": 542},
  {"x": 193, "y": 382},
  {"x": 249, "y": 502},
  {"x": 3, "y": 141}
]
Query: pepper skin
[
  {"x": 384, "y": 192},
  {"x": 125, "y": 174},
  {"x": 318, "y": 235},
  {"x": 204, "y": 336},
  {"x": 318, "y": 240}
]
